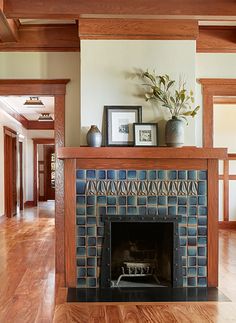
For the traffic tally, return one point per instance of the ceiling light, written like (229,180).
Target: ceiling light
(33,100)
(45,117)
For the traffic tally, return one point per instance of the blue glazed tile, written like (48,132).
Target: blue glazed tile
(122,210)
(182,231)
(202,241)
(142,174)
(192,251)
(182,210)
(81,272)
(80,262)
(80,210)
(152,210)
(80,220)
(81,230)
(131,174)
(185,282)
(172,174)
(192,210)
(152,174)
(162,211)
(80,242)
(161,174)
(202,220)
(201,251)
(92,282)
(202,261)
(202,175)
(192,261)
(192,231)
(192,241)
(91,231)
(91,262)
(202,188)
(202,210)
(91,241)
(92,251)
(192,271)
(142,210)
(111,210)
(80,187)
(80,174)
(142,200)
(101,199)
(202,200)
(184,261)
(132,200)
(192,200)
(111,200)
(182,174)
(182,200)
(183,251)
(201,271)
(91,173)
(131,210)
(81,282)
(122,200)
(122,174)
(152,200)
(80,199)
(192,282)
(202,231)
(91,200)
(183,241)
(162,200)
(81,251)
(172,200)
(192,175)
(172,210)
(100,231)
(102,210)
(192,220)
(111,174)
(202,281)
(91,272)
(90,210)
(91,220)
(182,219)
(101,174)
(100,241)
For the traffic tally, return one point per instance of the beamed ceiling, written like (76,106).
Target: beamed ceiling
(58,25)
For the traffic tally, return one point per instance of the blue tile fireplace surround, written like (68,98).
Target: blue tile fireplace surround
(122,201)
(157,193)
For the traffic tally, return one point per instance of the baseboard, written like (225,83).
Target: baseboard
(29,204)
(227,225)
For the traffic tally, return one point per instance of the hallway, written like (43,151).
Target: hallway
(27,270)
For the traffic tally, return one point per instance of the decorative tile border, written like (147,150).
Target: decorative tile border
(145,192)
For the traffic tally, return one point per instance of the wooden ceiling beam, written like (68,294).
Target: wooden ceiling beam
(40,125)
(137,29)
(8,28)
(63,9)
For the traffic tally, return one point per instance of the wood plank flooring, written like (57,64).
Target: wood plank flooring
(27,282)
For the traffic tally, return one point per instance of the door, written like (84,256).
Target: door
(49,167)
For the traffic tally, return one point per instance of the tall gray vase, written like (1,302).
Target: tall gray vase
(174,132)
(94,137)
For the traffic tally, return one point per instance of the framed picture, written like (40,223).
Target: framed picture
(145,134)
(119,124)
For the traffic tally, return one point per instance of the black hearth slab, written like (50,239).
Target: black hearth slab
(190,294)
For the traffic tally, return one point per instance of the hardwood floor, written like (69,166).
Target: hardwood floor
(27,281)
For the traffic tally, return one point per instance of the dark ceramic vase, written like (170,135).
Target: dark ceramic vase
(174,132)
(94,137)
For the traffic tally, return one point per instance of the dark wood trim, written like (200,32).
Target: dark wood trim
(226,191)
(137,29)
(8,28)
(70,220)
(29,204)
(9,131)
(224,100)
(232,156)
(40,125)
(212,231)
(21,189)
(227,225)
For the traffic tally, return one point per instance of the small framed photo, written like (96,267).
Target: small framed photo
(119,124)
(145,134)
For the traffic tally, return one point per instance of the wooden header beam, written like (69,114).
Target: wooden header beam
(8,28)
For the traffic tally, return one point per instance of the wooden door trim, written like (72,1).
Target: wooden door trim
(21,172)
(56,88)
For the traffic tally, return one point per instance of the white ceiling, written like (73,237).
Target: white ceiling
(16,103)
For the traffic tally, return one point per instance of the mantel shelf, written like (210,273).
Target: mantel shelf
(141,153)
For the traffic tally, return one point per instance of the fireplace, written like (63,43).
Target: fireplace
(141,252)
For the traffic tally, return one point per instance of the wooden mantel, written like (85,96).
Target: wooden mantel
(185,158)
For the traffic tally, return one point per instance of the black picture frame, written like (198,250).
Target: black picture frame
(145,134)
(119,124)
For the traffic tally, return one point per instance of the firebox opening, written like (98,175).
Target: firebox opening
(141,254)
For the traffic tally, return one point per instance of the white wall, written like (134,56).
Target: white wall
(49,65)
(106,76)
